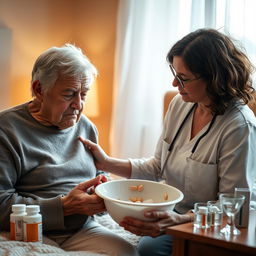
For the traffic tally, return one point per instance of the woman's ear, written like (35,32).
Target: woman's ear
(37,90)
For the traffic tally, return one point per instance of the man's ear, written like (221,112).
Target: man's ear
(37,90)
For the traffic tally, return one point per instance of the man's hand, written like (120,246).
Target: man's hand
(79,201)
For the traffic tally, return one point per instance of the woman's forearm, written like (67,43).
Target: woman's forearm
(120,167)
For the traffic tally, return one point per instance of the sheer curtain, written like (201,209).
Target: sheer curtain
(146,31)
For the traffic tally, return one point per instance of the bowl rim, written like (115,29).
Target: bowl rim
(181,195)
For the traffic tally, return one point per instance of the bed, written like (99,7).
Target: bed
(17,248)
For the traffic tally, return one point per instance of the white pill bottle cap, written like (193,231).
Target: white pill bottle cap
(32,209)
(18,207)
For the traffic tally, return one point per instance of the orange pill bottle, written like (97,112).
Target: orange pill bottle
(32,224)
(16,222)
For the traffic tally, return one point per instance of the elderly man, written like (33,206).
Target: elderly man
(42,161)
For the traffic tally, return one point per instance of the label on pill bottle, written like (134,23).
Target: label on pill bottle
(33,232)
(16,230)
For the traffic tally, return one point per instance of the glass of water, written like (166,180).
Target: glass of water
(231,205)
(215,213)
(201,219)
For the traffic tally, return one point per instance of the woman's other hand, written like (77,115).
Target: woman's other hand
(154,228)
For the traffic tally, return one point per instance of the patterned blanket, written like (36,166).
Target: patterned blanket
(16,248)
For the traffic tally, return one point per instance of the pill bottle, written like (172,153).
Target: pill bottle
(32,224)
(16,221)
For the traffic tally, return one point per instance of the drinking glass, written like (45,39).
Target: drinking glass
(215,213)
(253,196)
(231,205)
(201,215)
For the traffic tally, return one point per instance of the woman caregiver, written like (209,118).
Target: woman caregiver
(208,142)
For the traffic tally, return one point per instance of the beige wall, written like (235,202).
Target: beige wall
(36,25)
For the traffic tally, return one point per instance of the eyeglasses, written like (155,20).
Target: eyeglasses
(182,81)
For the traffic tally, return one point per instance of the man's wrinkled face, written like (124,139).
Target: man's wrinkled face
(62,104)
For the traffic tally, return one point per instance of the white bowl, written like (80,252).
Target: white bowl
(117,195)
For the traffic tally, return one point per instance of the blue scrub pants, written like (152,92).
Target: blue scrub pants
(157,246)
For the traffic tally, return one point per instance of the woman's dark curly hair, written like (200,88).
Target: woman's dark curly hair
(213,56)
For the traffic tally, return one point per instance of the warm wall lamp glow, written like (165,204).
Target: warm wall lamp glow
(91,107)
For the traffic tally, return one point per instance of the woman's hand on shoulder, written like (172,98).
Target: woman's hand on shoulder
(100,157)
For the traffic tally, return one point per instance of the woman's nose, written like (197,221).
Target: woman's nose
(175,82)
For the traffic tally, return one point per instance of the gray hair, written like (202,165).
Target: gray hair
(67,60)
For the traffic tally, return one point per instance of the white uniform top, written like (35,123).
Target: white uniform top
(225,158)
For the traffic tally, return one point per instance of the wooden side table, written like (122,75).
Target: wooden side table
(190,241)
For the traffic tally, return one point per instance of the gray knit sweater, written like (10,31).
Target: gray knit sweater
(38,164)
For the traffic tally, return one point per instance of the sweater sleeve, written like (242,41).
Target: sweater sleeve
(9,176)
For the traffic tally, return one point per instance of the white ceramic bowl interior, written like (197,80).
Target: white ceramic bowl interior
(117,195)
